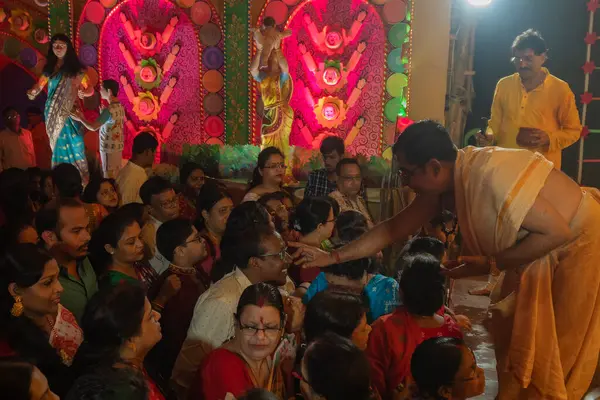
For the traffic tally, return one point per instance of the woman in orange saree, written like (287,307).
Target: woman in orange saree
(519,215)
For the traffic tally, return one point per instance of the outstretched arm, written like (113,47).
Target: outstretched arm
(395,229)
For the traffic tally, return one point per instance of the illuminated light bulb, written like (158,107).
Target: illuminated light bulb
(479,3)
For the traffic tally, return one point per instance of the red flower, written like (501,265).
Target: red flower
(591,38)
(585,131)
(586,98)
(589,67)
(592,5)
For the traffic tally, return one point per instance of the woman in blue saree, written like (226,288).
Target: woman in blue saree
(66,79)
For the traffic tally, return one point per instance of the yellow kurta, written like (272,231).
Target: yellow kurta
(550,107)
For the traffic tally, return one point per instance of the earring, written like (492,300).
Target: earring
(17,308)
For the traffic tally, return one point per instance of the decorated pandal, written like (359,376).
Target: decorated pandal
(186,73)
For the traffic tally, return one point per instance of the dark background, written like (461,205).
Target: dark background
(563,24)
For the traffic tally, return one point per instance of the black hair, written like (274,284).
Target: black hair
(423,141)
(247,225)
(34,111)
(426,245)
(111,85)
(265,198)
(354,270)
(112,316)
(152,187)
(67,180)
(336,369)
(336,312)
(530,39)
(261,294)
(142,142)
(186,170)
(435,363)
(15,378)
(312,212)
(90,194)
(422,285)
(171,235)
(24,266)
(10,231)
(109,232)
(331,144)
(263,157)
(7,110)
(350,225)
(48,219)
(136,210)
(269,21)
(34,172)
(71,65)
(45,176)
(210,194)
(15,194)
(345,161)
(258,394)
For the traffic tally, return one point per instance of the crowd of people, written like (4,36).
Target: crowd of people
(121,285)
(137,288)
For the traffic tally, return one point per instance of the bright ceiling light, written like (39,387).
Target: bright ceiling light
(479,3)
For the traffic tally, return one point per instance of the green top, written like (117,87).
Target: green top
(77,292)
(113,278)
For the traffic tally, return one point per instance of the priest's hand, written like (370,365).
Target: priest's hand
(308,256)
(469,266)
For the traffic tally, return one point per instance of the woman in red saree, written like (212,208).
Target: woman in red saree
(250,359)
(396,336)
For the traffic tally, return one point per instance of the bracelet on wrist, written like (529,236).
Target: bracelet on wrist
(336,256)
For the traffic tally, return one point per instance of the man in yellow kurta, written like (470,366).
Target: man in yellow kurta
(533,109)
(519,215)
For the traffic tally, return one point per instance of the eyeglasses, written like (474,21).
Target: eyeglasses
(352,178)
(276,166)
(197,239)
(13,116)
(519,60)
(406,174)
(283,254)
(253,330)
(169,203)
(280,208)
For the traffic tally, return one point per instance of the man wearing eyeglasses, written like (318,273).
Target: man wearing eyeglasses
(533,109)
(349,183)
(16,144)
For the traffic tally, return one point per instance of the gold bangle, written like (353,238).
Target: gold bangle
(493,266)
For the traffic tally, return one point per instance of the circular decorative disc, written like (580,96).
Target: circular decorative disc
(185,3)
(88,32)
(210,34)
(214,126)
(94,12)
(394,11)
(108,3)
(291,2)
(213,103)
(12,47)
(394,60)
(398,34)
(393,108)
(212,58)
(88,55)
(92,75)
(395,84)
(278,10)
(200,13)
(28,57)
(213,81)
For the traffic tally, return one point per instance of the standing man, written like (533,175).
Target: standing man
(16,145)
(533,109)
(349,182)
(133,175)
(323,181)
(41,143)
(110,122)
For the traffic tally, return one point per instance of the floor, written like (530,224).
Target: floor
(475,307)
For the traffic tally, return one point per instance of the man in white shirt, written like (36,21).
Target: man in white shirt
(133,175)
(159,196)
(261,256)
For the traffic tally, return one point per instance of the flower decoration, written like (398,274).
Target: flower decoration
(589,67)
(146,106)
(148,74)
(330,111)
(20,23)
